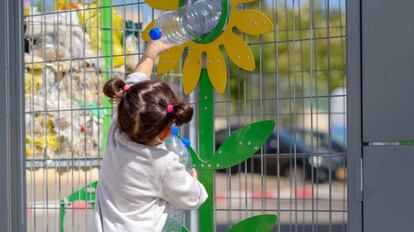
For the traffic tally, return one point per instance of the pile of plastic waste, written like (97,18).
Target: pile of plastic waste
(64,79)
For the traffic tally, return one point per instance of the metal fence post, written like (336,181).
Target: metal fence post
(12,160)
(354,153)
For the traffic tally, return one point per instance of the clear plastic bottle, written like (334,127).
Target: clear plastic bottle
(189,161)
(179,146)
(175,220)
(187,22)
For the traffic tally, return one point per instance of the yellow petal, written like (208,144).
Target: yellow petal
(216,68)
(238,51)
(235,2)
(192,69)
(252,22)
(169,59)
(163,4)
(145,33)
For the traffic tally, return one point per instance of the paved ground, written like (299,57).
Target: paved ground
(300,206)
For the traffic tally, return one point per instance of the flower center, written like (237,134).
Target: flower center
(220,25)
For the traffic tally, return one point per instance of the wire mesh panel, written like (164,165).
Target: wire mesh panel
(65,68)
(299,82)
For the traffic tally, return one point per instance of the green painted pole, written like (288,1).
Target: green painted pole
(108,65)
(206,144)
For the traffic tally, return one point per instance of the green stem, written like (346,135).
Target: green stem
(206,130)
(62,216)
(108,65)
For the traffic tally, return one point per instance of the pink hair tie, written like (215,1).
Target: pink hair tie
(126,88)
(170,108)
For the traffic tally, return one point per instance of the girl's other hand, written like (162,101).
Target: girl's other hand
(194,174)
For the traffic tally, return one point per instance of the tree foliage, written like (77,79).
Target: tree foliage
(307,47)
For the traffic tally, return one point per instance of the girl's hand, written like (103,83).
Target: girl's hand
(155,48)
(194,174)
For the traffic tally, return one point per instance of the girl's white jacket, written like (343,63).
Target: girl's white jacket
(138,182)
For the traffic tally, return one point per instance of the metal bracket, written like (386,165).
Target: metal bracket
(356,177)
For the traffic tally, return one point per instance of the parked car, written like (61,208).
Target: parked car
(287,154)
(335,143)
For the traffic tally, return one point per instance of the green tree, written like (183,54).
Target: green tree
(294,46)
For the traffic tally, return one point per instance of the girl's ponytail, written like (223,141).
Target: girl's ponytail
(146,108)
(114,89)
(182,113)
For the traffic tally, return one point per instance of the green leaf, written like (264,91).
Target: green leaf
(87,193)
(184,229)
(260,223)
(197,162)
(242,144)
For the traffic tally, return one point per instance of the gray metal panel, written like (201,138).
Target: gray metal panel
(388,189)
(388,71)
(3,161)
(354,149)
(12,171)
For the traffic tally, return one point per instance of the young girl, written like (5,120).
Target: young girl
(139,176)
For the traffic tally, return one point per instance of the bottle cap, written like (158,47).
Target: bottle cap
(186,142)
(174,130)
(155,33)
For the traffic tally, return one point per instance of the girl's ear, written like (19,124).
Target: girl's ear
(165,133)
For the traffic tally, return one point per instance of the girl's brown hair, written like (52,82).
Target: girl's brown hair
(142,111)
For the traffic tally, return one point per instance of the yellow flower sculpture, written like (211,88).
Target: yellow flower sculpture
(249,21)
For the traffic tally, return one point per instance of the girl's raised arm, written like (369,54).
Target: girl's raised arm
(147,61)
